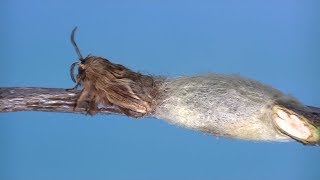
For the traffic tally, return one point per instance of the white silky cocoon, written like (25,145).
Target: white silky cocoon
(222,105)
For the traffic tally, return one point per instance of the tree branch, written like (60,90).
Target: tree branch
(13,99)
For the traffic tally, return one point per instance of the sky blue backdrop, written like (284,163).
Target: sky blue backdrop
(276,42)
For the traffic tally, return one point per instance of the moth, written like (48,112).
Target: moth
(108,84)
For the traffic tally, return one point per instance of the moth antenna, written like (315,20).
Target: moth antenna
(75,44)
(72,72)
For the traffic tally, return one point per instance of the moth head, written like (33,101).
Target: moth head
(81,59)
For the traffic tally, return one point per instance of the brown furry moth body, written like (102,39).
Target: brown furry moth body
(113,84)
(106,83)
(221,105)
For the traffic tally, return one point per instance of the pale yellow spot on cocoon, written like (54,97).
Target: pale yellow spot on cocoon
(292,124)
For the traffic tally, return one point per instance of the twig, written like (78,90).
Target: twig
(13,99)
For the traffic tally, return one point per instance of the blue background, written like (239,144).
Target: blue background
(275,42)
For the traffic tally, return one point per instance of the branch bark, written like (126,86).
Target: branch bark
(13,99)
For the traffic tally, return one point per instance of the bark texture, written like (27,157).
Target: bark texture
(13,99)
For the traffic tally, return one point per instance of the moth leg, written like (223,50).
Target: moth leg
(92,106)
(82,101)
(130,113)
